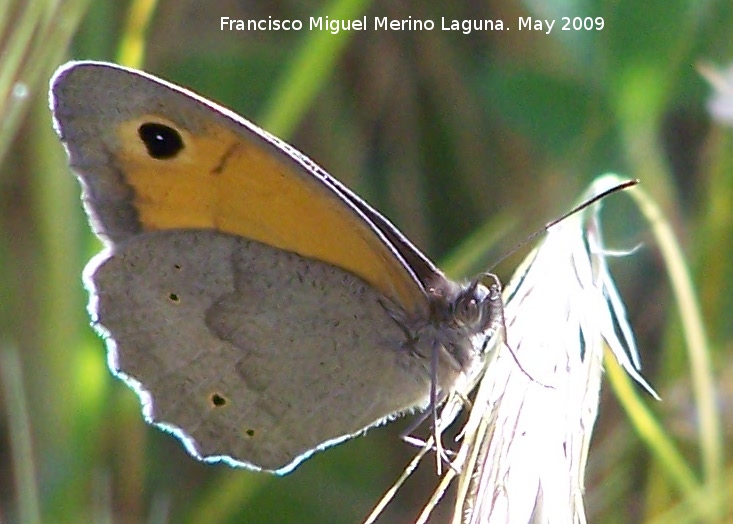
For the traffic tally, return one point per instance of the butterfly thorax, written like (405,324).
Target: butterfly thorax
(458,330)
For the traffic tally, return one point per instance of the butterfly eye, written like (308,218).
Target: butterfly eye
(467,311)
(161,141)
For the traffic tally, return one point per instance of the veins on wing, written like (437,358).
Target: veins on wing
(411,336)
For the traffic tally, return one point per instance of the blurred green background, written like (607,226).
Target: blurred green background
(468,142)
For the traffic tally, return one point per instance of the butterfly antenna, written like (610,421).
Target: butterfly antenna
(579,207)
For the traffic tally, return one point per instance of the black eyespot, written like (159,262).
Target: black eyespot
(173,297)
(250,432)
(161,141)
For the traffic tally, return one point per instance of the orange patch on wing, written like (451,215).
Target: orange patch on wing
(228,183)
